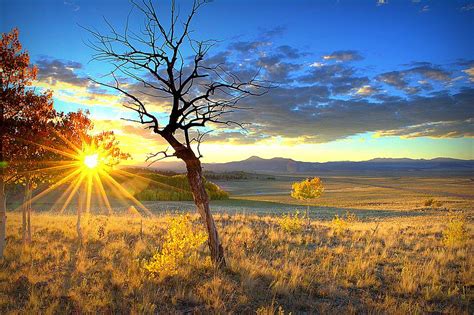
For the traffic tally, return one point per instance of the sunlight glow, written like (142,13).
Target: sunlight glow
(91,161)
(85,177)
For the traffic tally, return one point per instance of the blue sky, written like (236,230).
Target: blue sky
(372,80)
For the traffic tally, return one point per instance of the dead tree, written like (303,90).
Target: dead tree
(198,95)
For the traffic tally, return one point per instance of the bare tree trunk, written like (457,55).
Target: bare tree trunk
(29,214)
(24,209)
(26,213)
(80,206)
(3,211)
(201,199)
(3,199)
(78,226)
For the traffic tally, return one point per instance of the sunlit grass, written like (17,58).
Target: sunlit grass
(399,265)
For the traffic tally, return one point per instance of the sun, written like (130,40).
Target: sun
(88,170)
(91,161)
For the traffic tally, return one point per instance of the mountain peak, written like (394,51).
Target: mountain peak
(254,158)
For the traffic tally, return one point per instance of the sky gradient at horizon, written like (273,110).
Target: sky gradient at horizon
(355,79)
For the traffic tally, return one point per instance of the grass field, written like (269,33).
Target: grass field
(397,256)
(364,192)
(395,266)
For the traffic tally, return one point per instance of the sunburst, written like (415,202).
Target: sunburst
(86,170)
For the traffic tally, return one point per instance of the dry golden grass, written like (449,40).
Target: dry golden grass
(376,193)
(395,266)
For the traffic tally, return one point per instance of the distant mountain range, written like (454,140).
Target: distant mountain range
(256,164)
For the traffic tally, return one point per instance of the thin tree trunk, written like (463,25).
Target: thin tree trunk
(29,214)
(141,228)
(26,213)
(3,199)
(78,226)
(80,205)
(201,199)
(3,210)
(24,209)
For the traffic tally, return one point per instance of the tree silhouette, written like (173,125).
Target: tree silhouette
(22,109)
(198,95)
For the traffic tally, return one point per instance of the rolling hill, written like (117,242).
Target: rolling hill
(257,164)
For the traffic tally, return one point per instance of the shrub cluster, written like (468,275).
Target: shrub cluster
(432,203)
(291,223)
(455,233)
(181,243)
(341,224)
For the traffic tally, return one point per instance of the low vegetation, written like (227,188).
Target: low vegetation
(433,203)
(456,231)
(400,265)
(180,245)
(161,187)
(292,223)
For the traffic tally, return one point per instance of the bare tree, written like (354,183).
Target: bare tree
(199,95)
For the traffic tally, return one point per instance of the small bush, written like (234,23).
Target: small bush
(341,224)
(291,223)
(433,203)
(351,217)
(182,241)
(455,233)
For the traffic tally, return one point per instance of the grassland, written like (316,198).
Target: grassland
(365,192)
(396,266)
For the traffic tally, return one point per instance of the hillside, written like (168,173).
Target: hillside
(282,165)
(256,164)
(147,186)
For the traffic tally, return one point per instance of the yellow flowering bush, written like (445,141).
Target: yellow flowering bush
(310,188)
(291,223)
(455,233)
(339,225)
(182,241)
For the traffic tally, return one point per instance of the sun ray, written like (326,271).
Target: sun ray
(51,168)
(46,169)
(162,185)
(116,193)
(65,193)
(73,146)
(90,171)
(66,154)
(99,197)
(89,193)
(73,192)
(103,194)
(126,193)
(53,187)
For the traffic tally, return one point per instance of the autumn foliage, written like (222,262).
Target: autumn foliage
(310,188)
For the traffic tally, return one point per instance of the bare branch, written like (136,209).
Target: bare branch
(199,94)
